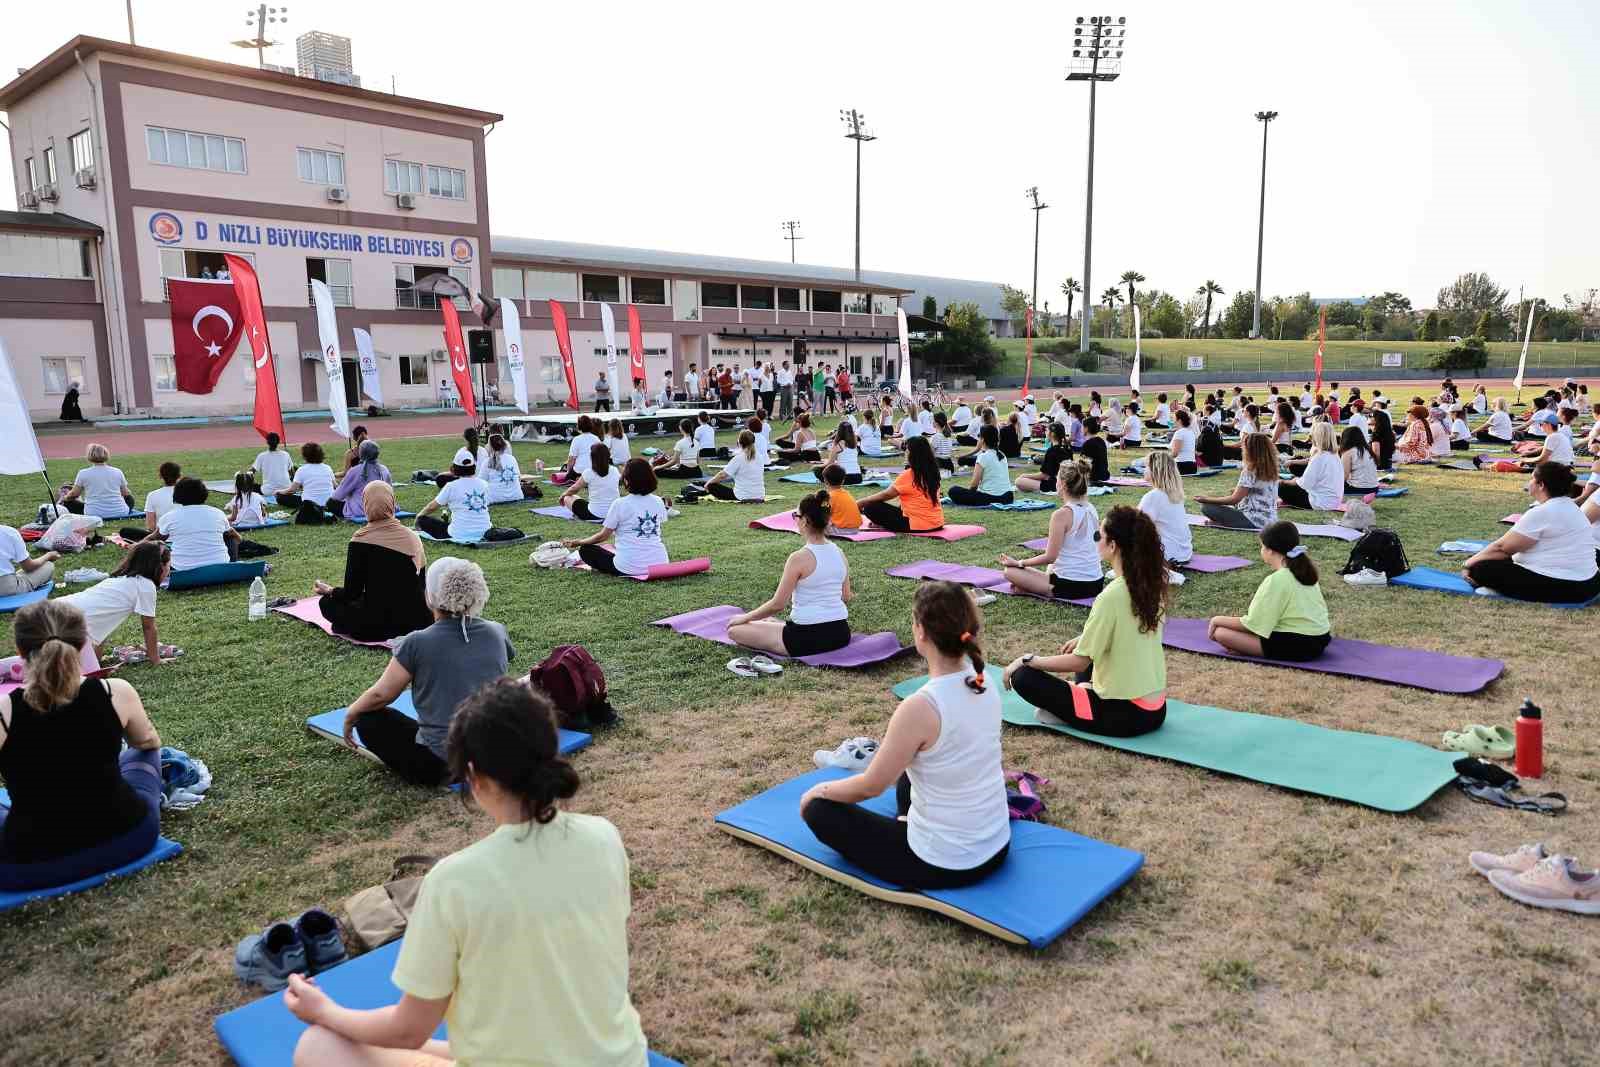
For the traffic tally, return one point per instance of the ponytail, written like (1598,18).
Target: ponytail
(951,622)
(49,635)
(816,509)
(1283,538)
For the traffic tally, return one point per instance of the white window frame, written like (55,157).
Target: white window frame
(391,177)
(343,292)
(50,175)
(66,372)
(164,369)
(30,174)
(447,183)
(81,144)
(207,145)
(406,365)
(305,165)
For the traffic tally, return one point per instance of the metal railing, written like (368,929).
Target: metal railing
(412,300)
(344,296)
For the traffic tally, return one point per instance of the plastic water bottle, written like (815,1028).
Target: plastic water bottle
(258,599)
(1530,740)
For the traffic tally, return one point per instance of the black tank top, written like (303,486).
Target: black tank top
(67,790)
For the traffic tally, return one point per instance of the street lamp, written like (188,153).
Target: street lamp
(1097,45)
(855,125)
(792,225)
(1265,118)
(257,20)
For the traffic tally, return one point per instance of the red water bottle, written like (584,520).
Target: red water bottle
(1530,740)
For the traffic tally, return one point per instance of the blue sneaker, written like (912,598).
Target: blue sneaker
(268,959)
(319,932)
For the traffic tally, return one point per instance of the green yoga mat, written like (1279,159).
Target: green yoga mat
(1385,773)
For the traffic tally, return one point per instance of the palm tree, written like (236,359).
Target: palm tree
(1112,297)
(1130,278)
(1069,289)
(1208,290)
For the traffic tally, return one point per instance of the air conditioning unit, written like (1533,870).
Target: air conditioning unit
(439,355)
(85,178)
(408,201)
(338,194)
(28,201)
(49,193)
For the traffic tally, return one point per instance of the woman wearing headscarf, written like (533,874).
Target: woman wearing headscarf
(352,488)
(382,596)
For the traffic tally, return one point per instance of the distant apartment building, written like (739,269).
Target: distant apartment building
(325,57)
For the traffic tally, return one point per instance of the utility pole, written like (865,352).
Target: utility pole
(1265,118)
(794,224)
(1096,57)
(855,124)
(130,23)
(1032,193)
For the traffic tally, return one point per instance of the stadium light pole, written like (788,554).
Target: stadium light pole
(792,226)
(1032,193)
(1097,47)
(855,124)
(258,20)
(1265,118)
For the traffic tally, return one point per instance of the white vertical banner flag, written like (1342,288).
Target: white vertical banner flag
(608,322)
(367,358)
(1133,377)
(332,358)
(19,447)
(512,324)
(905,354)
(1522,361)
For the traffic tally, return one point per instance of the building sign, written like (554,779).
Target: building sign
(1195,362)
(167,229)
(461,250)
(1393,359)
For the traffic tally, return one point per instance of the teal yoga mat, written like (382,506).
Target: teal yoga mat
(1385,773)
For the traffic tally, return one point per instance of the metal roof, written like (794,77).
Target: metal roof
(49,222)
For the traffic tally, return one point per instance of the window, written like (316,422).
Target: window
(882,304)
(60,371)
(719,295)
(789,300)
(856,303)
(414,370)
(195,263)
(855,366)
(406,275)
(50,166)
(320,166)
(164,373)
(551,285)
(337,274)
(649,290)
(197,151)
(31,173)
(606,287)
(447,182)
(401,177)
(82,146)
(825,300)
(686,301)
(551,371)
(25,255)
(757,297)
(508,283)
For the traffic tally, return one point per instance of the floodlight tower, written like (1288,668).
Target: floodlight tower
(1097,45)
(1265,118)
(257,20)
(792,226)
(855,125)
(1032,193)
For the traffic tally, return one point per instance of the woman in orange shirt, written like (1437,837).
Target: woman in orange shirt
(918,490)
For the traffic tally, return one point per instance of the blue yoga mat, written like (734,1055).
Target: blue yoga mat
(263,1033)
(810,478)
(262,525)
(217,574)
(1050,879)
(22,600)
(164,850)
(1015,505)
(399,515)
(330,724)
(1448,582)
(474,544)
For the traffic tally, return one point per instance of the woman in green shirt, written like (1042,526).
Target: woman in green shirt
(1288,619)
(1118,668)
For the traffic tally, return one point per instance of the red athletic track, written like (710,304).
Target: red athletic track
(70,444)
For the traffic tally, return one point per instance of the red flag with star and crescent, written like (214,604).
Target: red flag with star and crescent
(459,368)
(206,327)
(268,417)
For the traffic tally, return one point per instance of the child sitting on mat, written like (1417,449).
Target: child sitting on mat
(1288,619)
(1075,572)
(469,944)
(816,579)
(844,514)
(941,752)
(131,590)
(1117,666)
(248,507)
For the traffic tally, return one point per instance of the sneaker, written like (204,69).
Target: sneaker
(1175,576)
(982,597)
(765,665)
(319,932)
(268,959)
(1555,882)
(740,665)
(853,755)
(1367,576)
(1518,862)
(1484,590)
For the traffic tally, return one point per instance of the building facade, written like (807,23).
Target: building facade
(326,57)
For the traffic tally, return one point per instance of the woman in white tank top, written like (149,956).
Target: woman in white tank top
(817,580)
(941,753)
(1075,572)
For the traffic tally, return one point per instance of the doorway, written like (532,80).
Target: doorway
(352,383)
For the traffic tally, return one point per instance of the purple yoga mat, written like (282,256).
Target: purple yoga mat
(1199,562)
(306,610)
(982,577)
(1307,529)
(785,522)
(1415,667)
(862,651)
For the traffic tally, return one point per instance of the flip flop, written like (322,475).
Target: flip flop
(765,665)
(741,666)
(1492,742)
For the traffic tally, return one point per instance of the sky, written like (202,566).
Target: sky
(1416,140)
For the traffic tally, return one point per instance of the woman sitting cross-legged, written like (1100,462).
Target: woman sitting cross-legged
(99,489)
(635,520)
(1416,446)
(1117,668)
(1253,504)
(1164,504)
(20,570)
(543,894)
(941,751)
(1498,430)
(1549,555)
(443,664)
(991,477)
(346,499)
(917,488)
(1288,619)
(312,485)
(1056,452)
(197,533)
(843,452)
(383,595)
(1075,572)
(602,481)
(466,497)
(817,580)
(801,444)
(1320,486)
(683,459)
(744,478)
(81,804)
(1357,463)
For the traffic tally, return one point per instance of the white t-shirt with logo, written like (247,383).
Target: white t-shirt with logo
(273,466)
(102,487)
(106,604)
(1565,545)
(505,484)
(637,521)
(468,501)
(194,533)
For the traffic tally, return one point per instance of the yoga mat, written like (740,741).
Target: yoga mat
(1015,505)
(1307,529)
(1200,563)
(1385,773)
(948,532)
(330,725)
(261,525)
(163,850)
(306,610)
(1415,667)
(862,651)
(1447,582)
(663,571)
(1050,879)
(22,600)
(221,485)
(1512,519)
(217,574)
(785,522)
(476,544)
(263,1033)
(1465,548)
(399,515)
(810,478)
(556,511)
(982,577)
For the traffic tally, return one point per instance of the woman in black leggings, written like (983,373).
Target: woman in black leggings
(918,489)
(1549,556)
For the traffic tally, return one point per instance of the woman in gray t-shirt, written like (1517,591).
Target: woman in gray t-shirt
(442,665)
(1253,504)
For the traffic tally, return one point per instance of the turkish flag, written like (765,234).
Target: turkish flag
(268,417)
(564,342)
(457,348)
(206,327)
(635,344)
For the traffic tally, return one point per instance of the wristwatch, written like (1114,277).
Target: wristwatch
(1027,658)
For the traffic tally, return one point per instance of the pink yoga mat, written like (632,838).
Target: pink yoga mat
(785,522)
(306,610)
(663,571)
(12,672)
(1512,519)
(1199,562)
(985,578)
(862,651)
(951,532)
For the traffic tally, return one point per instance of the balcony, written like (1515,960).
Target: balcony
(411,300)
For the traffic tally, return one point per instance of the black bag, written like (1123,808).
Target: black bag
(503,533)
(309,514)
(1378,550)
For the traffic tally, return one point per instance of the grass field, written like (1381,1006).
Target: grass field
(1265,927)
(1290,358)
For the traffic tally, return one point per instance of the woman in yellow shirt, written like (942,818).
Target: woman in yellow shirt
(1288,619)
(1118,667)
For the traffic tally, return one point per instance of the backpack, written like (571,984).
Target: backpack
(574,682)
(1378,550)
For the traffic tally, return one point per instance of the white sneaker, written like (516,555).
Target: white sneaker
(1175,576)
(853,755)
(982,597)
(1367,576)
(1484,590)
